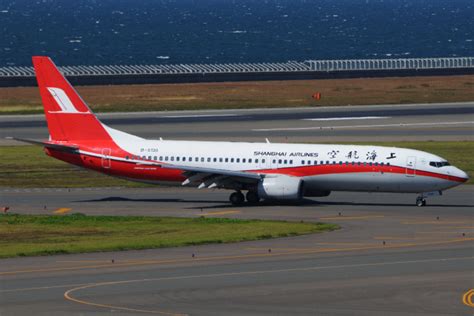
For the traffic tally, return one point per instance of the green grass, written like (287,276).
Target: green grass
(29,167)
(34,235)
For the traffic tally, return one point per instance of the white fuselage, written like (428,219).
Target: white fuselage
(322,167)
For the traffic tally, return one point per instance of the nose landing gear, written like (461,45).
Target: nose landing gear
(420,201)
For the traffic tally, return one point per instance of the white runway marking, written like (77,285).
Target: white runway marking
(350,118)
(358,126)
(199,115)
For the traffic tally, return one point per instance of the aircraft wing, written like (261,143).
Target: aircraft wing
(212,178)
(61,147)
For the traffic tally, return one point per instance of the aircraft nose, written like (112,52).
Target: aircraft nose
(461,174)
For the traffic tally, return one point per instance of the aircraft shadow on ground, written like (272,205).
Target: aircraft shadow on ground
(219,204)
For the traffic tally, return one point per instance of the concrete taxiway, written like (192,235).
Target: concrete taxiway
(346,123)
(389,258)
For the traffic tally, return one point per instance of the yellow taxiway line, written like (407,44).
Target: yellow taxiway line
(238,257)
(351,217)
(219,213)
(62,210)
(68,293)
(467,298)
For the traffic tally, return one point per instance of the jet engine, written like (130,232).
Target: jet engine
(280,187)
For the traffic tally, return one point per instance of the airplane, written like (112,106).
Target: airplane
(266,171)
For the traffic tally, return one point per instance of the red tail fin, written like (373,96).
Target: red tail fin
(68,116)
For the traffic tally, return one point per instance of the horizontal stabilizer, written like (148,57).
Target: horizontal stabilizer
(61,147)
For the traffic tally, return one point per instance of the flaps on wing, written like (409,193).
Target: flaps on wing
(61,147)
(213,178)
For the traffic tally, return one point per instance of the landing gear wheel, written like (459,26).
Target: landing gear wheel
(237,198)
(420,201)
(252,197)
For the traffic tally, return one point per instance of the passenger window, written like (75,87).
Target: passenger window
(340,163)
(237,160)
(231,159)
(126,157)
(177,158)
(154,158)
(291,162)
(166,158)
(184,158)
(208,159)
(215,159)
(256,160)
(285,161)
(243,160)
(220,159)
(227,160)
(196,159)
(250,160)
(202,159)
(190,159)
(302,162)
(274,161)
(172,158)
(279,161)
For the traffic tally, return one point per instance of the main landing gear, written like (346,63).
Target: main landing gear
(237,198)
(252,197)
(420,201)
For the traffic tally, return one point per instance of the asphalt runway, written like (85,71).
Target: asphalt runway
(389,258)
(346,123)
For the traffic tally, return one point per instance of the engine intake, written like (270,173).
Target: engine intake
(280,187)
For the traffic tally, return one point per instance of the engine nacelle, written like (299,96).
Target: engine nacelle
(308,191)
(280,187)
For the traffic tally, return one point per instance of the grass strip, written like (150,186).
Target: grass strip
(35,235)
(29,167)
(254,94)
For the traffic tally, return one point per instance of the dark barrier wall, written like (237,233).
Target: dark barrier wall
(222,77)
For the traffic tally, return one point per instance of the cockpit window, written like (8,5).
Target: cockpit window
(439,164)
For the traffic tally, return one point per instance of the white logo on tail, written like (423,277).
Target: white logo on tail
(63,101)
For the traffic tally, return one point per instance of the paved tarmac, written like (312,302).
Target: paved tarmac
(389,258)
(448,121)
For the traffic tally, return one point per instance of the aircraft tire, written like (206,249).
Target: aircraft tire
(237,198)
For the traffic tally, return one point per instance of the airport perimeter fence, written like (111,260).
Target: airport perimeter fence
(110,74)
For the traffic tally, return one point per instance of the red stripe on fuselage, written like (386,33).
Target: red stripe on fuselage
(314,170)
(137,171)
